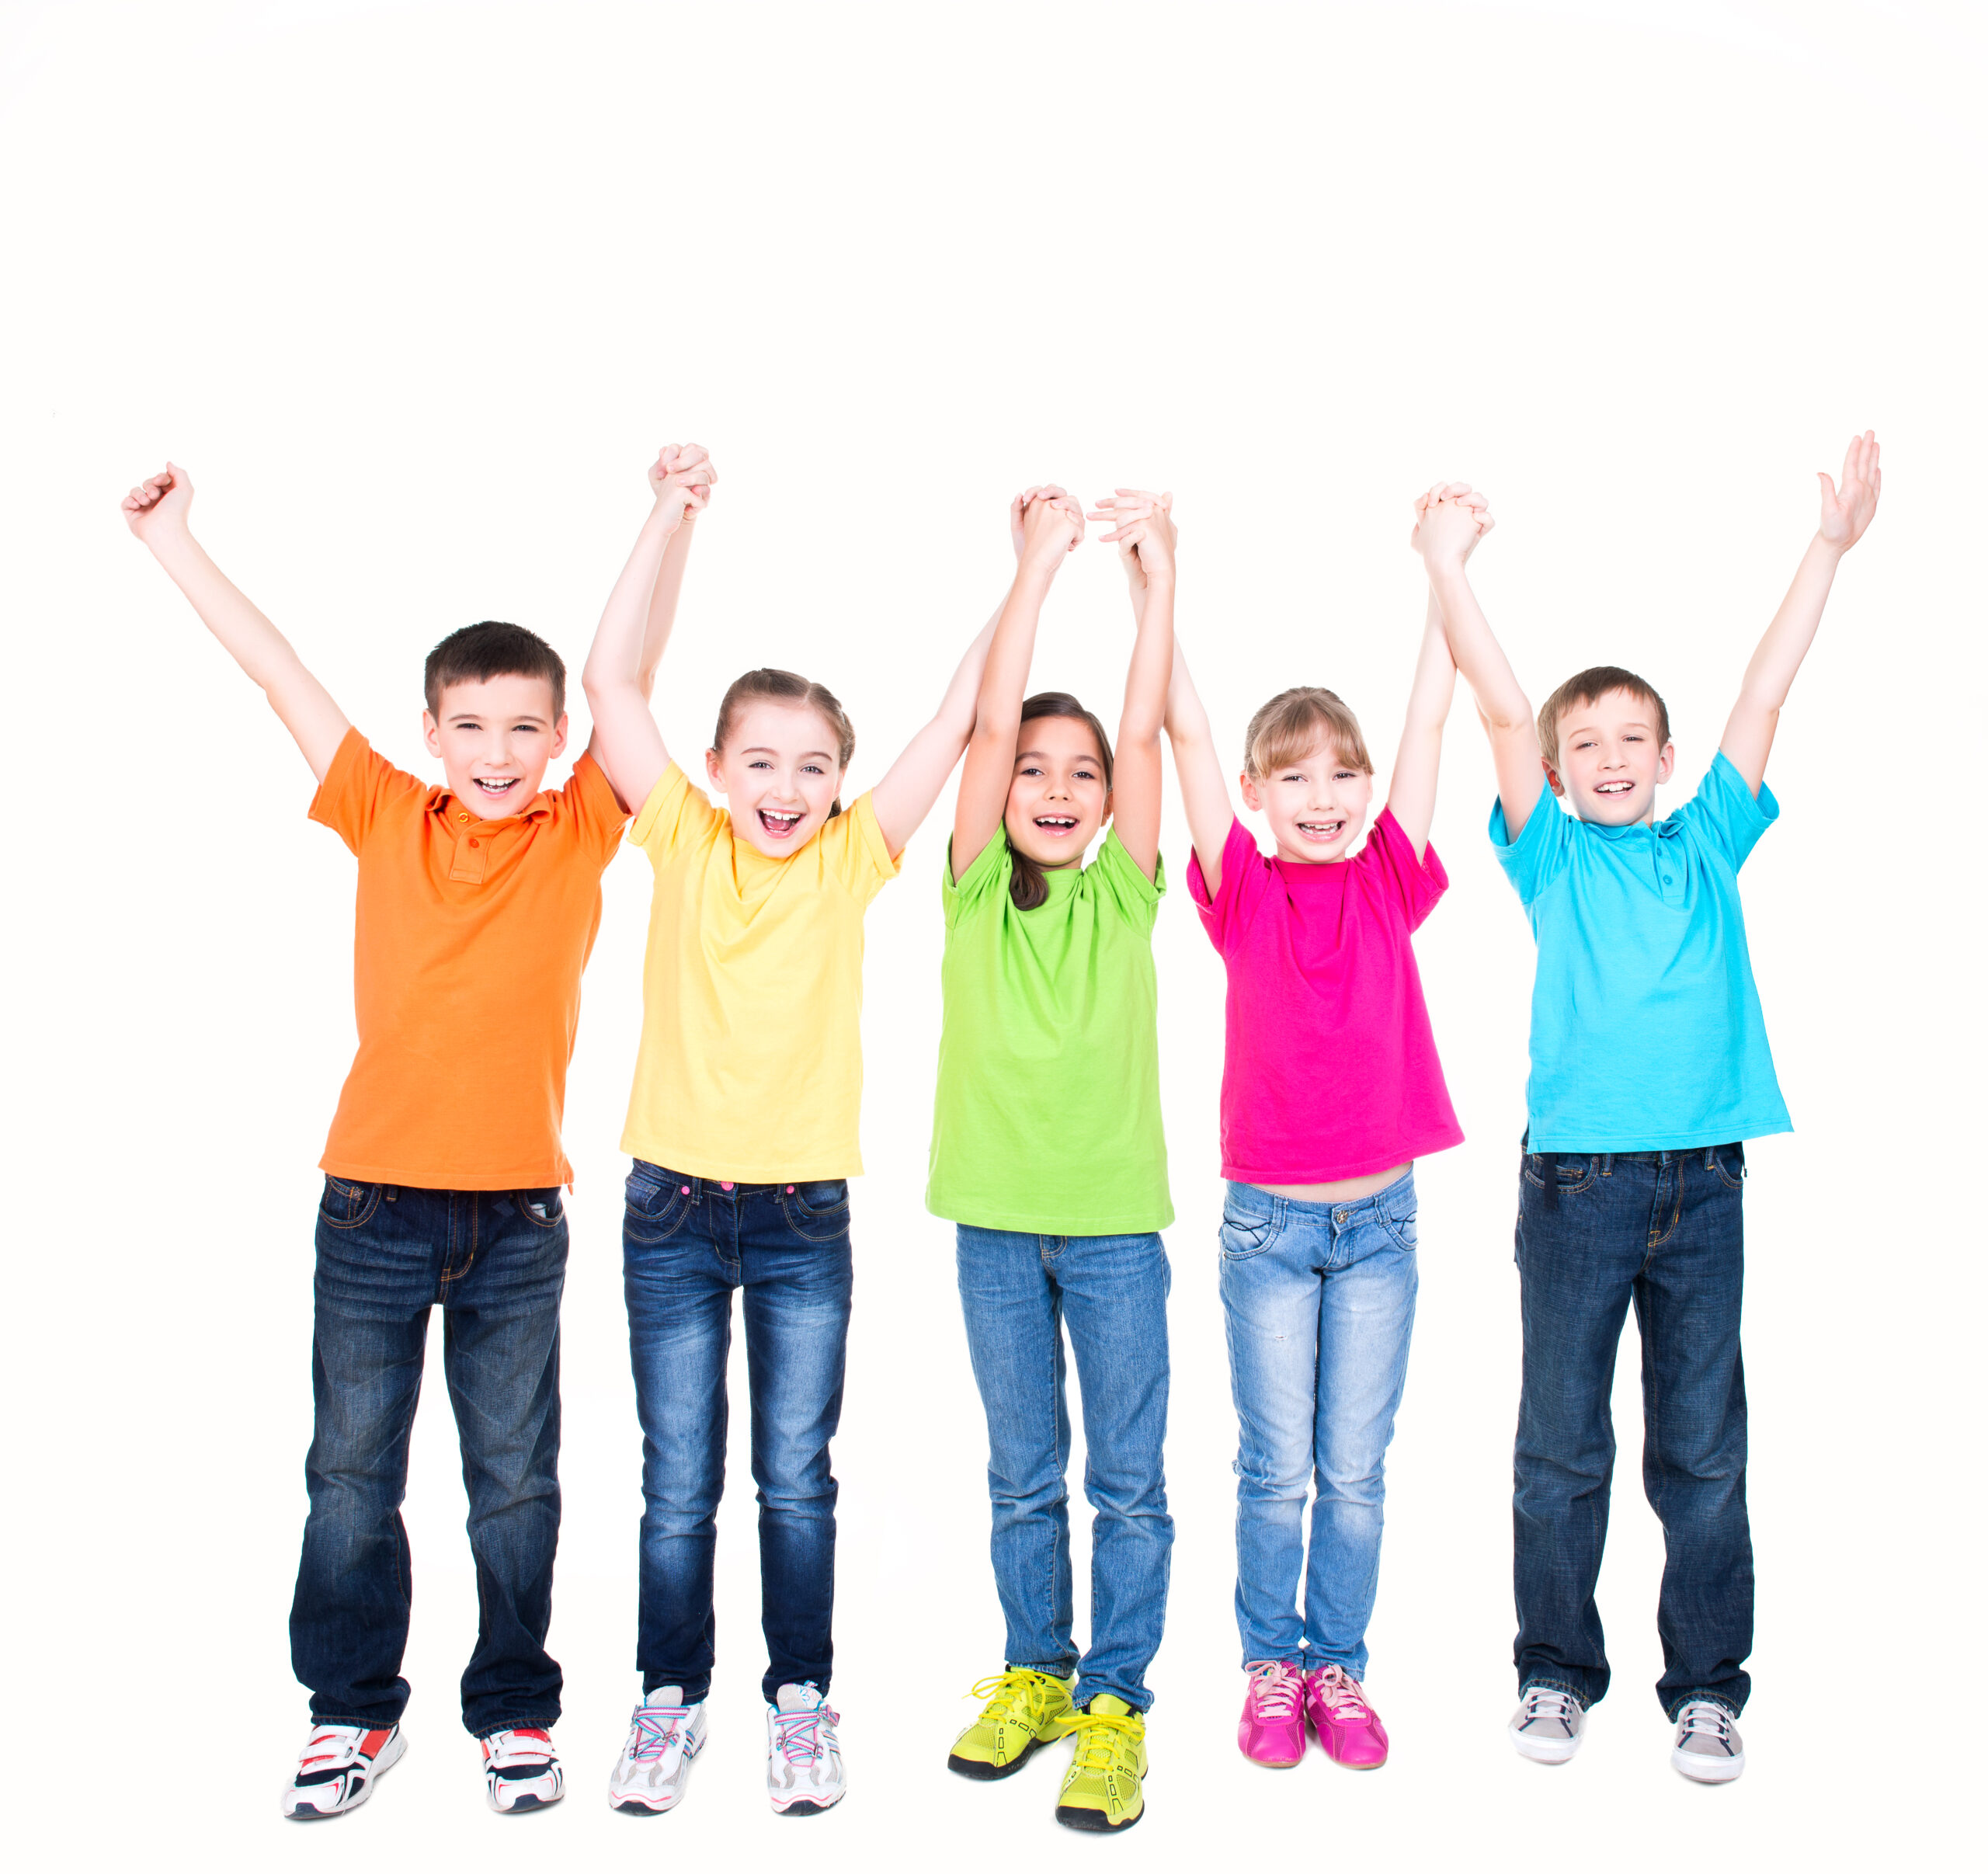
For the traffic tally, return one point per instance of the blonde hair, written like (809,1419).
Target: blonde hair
(1293,723)
(1590,687)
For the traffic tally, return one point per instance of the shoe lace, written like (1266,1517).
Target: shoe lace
(334,1744)
(1277,1688)
(1702,1718)
(1545,1702)
(1339,1692)
(1005,1691)
(799,1735)
(1099,1735)
(657,1727)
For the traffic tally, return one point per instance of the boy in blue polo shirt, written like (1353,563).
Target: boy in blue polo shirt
(1649,1067)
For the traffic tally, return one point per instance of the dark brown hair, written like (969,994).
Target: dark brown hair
(1590,687)
(771,686)
(1026,886)
(478,653)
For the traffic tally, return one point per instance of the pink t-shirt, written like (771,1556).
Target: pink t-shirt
(1330,1071)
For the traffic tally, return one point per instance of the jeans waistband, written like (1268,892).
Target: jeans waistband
(1703,1155)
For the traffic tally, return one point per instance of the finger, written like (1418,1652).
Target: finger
(1829,490)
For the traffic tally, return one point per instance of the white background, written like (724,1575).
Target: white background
(415,291)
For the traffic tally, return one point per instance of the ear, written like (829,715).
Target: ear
(1666,762)
(431,733)
(1252,795)
(1553,780)
(558,738)
(711,768)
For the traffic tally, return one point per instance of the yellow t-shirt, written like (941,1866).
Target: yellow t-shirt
(751,1065)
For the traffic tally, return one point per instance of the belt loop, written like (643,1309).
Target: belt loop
(1608,1164)
(1709,1151)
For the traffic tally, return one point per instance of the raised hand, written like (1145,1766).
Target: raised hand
(1041,490)
(1450,519)
(159,502)
(1846,511)
(1051,525)
(1142,529)
(682,478)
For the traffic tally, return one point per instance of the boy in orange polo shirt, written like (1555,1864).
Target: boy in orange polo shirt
(477,905)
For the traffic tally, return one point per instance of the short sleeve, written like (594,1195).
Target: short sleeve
(597,815)
(1243,874)
(674,814)
(357,786)
(1725,812)
(1389,857)
(1539,854)
(855,852)
(1117,876)
(987,876)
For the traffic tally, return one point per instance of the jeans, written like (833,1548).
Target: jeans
(1320,1301)
(1595,1232)
(687,1243)
(495,1262)
(1018,1291)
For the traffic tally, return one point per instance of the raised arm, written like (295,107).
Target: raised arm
(1144,523)
(1846,513)
(1052,525)
(156,511)
(1412,787)
(634,630)
(904,797)
(1446,531)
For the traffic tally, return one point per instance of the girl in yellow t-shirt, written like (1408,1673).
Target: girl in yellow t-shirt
(742,1125)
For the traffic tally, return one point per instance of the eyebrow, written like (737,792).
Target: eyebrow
(1089,761)
(805,754)
(477,715)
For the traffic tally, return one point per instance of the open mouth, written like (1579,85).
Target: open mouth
(1324,832)
(1613,788)
(1058,825)
(780,825)
(496,786)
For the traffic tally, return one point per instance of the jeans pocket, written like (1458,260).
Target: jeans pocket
(656,1204)
(817,1212)
(1569,1180)
(1401,1230)
(1245,1232)
(346,1205)
(545,1208)
(1730,1162)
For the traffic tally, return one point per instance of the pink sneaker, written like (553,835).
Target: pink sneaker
(1272,1732)
(1348,1729)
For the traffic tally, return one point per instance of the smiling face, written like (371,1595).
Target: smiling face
(1057,799)
(1316,806)
(778,773)
(1613,758)
(495,738)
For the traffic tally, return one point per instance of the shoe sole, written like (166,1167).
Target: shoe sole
(381,1765)
(982,1772)
(525,1804)
(1536,1751)
(1093,1822)
(1714,1770)
(807,1806)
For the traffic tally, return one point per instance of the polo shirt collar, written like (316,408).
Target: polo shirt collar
(443,803)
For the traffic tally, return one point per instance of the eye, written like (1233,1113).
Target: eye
(1084,775)
(812,767)
(1031,773)
(1344,774)
(761,763)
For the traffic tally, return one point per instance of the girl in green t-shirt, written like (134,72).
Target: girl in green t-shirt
(1048,1153)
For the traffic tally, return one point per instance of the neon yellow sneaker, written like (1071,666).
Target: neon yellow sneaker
(1101,1788)
(1025,1710)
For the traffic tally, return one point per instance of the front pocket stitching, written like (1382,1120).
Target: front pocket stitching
(364,1217)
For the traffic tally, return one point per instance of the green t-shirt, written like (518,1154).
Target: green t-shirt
(1048,1114)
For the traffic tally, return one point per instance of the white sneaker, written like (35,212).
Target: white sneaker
(521,1771)
(337,1767)
(1708,1750)
(1547,1725)
(664,1738)
(804,1758)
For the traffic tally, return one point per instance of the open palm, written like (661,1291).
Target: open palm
(1847,510)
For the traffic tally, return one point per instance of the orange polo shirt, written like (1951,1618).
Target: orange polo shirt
(467,948)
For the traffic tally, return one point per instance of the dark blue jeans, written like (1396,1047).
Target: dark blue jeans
(686,1243)
(1596,1233)
(495,1262)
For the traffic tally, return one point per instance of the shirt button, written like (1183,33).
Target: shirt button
(460,816)
(474,843)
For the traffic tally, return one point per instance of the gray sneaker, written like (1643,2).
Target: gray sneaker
(664,1738)
(1547,1725)
(1708,1750)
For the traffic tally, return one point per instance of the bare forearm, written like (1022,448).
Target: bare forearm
(662,605)
(1412,787)
(616,658)
(1778,657)
(1197,768)
(1477,652)
(1150,675)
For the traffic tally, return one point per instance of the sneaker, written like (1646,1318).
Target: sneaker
(1547,1725)
(1272,1730)
(1350,1730)
(1101,1789)
(521,1771)
(664,1738)
(1708,1750)
(1025,1710)
(804,1758)
(337,1767)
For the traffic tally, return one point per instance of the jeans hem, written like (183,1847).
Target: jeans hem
(1676,1702)
(1063,1674)
(364,1724)
(1140,1701)
(1579,1697)
(521,1724)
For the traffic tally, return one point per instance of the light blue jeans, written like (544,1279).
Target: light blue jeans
(1320,1301)
(1020,1291)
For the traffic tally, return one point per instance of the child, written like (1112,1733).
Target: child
(1330,1091)
(478,900)
(1047,1152)
(742,1125)
(1650,1069)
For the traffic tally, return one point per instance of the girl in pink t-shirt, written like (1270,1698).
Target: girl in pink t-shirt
(1330,1091)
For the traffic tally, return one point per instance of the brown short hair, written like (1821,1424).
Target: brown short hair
(1293,723)
(478,653)
(1590,687)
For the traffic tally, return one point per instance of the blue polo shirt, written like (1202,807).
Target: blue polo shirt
(1646,1028)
